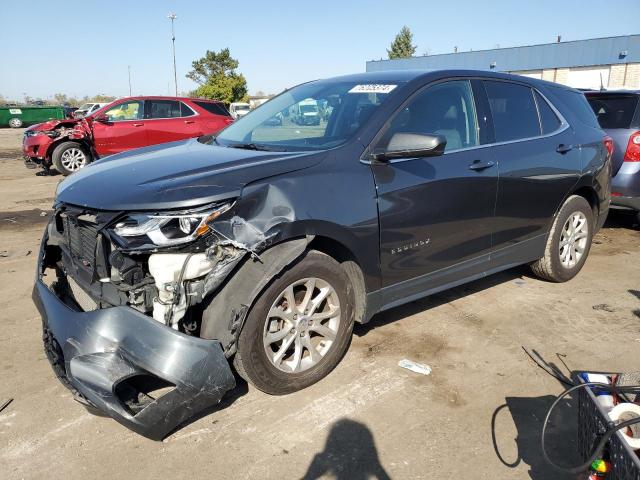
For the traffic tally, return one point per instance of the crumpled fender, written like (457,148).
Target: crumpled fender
(225,315)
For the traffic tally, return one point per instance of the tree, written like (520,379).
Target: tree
(402,46)
(217,76)
(102,98)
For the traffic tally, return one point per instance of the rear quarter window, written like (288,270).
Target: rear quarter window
(577,105)
(215,108)
(614,111)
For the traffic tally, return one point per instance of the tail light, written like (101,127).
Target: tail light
(633,148)
(608,144)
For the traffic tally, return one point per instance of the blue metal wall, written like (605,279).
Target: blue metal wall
(597,51)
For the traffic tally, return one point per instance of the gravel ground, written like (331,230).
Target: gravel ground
(478,415)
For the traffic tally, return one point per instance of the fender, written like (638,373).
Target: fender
(227,310)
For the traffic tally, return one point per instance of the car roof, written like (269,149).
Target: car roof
(405,76)
(160,97)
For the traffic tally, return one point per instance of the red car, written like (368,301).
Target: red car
(125,124)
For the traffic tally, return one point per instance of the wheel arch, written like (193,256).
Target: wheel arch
(81,141)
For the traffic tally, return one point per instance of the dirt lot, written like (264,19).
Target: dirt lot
(478,415)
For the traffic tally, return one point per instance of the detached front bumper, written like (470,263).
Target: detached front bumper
(112,357)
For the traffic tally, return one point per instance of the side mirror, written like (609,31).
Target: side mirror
(411,145)
(102,118)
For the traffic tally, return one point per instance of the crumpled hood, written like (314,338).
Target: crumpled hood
(174,175)
(52,124)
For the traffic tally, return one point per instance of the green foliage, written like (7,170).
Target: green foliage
(217,76)
(402,46)
(102,99)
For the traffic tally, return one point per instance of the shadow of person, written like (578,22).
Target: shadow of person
(349,453)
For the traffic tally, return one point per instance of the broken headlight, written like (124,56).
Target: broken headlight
(169,228)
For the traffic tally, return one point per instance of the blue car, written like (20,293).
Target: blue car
(619,116)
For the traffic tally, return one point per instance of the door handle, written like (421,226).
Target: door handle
(562,148)
(138,124)
(479,165)
(189,122)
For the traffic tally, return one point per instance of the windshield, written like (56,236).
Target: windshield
(85,106)
(284,123)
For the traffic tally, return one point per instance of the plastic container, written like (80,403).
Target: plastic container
(592,423)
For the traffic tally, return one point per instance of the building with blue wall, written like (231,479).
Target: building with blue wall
(612,62)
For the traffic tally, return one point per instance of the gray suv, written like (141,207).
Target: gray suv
(619,116)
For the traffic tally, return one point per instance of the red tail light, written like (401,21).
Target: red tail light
(633,148)
(608,144)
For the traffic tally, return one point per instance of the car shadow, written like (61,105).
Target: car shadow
(349,454)
(528,415)
(441,298)
(622,219)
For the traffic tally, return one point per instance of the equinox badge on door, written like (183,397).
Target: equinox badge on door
(410,246)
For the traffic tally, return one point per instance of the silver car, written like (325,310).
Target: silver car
(619,115)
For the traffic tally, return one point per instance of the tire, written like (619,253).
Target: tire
(255,359)
(15,122)
(69,157)
(562,263)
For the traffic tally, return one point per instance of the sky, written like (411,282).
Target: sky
(84,47)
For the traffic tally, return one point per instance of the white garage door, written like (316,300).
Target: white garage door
(589,77)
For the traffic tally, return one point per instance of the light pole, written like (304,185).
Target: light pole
(172,17)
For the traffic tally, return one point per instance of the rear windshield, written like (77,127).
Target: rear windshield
(614,111)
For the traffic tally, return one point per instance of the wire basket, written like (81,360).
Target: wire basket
(592,423)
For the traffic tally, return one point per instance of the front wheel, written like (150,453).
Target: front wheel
(299,328)
(69,157)
(568,243)
(15,123)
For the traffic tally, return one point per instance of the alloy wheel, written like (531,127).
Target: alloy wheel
(302,325)
(73,159)
(573,239)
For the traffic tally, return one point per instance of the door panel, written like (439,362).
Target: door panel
(537,160)
(534,180)
(435,212)
(123,130)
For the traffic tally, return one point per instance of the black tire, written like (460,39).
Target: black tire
(550,267)
(15,122)
(251,360)
(60,150)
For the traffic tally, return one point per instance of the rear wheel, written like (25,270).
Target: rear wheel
(299,328)
(569,242)
(69,157)
(15,123)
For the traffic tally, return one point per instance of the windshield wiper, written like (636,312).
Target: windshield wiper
(252,146)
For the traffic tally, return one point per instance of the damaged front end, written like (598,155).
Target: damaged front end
(40,140)
(121,298)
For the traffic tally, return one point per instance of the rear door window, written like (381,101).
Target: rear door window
(614,111)
(163,109)
(548,118)
(513,109)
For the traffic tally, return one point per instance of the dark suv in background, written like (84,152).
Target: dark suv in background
(619,115)
(263,245)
